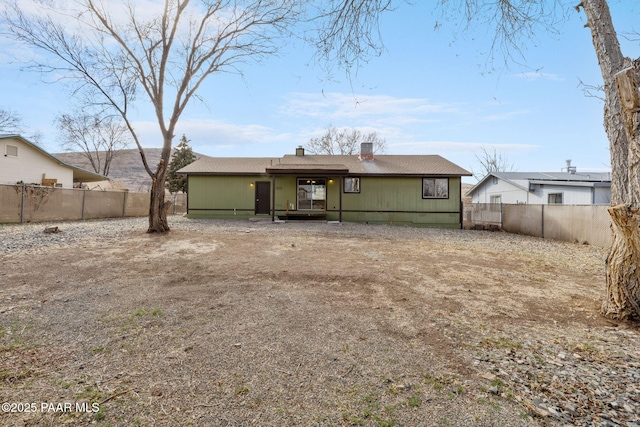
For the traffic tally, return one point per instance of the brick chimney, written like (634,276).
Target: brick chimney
(366,151)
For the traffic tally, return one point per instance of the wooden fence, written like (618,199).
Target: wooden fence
(33,203)
(588,224)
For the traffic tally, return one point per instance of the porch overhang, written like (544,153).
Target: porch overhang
(306,170)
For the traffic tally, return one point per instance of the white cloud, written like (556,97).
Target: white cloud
(537,75)
(211,135)
(455,146)
(504,116)
(341,107)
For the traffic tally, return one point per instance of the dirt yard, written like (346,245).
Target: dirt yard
(241,323)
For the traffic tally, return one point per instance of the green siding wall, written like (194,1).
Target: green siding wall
(399,200)
(395,200)
(222,196)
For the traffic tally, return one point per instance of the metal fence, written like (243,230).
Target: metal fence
(33,203)
(589,224)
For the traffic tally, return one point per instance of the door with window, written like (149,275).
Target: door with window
(312,194)
(263,197)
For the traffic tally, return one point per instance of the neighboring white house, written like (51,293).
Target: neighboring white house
(21,161)
(568,188)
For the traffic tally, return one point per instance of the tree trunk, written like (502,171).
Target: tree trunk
(621,118)
(157,206)
(157,209)
(623,262)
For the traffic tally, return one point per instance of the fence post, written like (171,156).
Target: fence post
(124,204)
(542,220)
(84,196)
(175,197)
(22,204)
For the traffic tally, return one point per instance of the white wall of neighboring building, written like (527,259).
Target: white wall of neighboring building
(602,196)
(30,165)
(571,195)
(509,194)
(539,194)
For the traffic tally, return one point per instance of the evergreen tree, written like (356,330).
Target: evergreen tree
(181,157)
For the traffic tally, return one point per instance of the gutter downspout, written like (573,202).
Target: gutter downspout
(187,207)
(461,204)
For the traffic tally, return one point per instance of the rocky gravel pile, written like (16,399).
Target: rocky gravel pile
(595,382)
(33,238)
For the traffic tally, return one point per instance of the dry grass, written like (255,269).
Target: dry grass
(263,324)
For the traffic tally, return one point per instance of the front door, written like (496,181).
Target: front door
(263,197)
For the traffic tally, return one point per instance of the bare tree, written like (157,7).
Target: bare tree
(10,122)
(118,51)
(344,141)
(343,41)
(99,139)
(492,162)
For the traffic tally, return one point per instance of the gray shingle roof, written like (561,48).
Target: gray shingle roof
(593,179)
(381,165)
(554,176)
(229,165)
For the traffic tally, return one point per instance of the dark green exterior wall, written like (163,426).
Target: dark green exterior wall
(399,200)
(396,200)
(222,196)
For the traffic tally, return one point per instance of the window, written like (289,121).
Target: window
(11,150)
(495,200)
(435,188)
(352,185)
(555,198)
(312,193)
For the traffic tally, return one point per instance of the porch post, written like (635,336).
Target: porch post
(341,186)
(273,198)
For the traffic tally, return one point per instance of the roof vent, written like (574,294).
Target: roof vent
(300,151)
(570,169)
(366,151)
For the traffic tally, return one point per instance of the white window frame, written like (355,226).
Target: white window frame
(10,154)
(555,195)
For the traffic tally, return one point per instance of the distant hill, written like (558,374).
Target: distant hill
(127,170)
(466,187)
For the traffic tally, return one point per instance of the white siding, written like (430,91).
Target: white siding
(539,194)
(509,194)
(570,195)
(30,165)
(602,196)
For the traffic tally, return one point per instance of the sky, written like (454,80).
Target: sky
(433,90)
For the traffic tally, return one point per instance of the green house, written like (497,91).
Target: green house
(398,189)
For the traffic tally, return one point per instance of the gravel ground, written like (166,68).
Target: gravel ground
(346,324)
